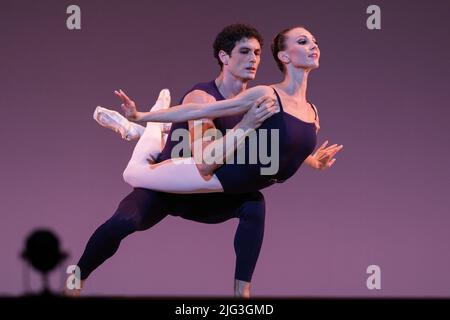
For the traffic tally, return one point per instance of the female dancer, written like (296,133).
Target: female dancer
(296,53)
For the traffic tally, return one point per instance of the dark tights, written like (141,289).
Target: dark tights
(143,208)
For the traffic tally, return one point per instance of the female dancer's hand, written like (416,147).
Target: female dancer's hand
(323,158)
(128,105)
(262,109)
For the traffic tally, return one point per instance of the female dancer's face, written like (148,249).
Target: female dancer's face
(302,49)
(244,59)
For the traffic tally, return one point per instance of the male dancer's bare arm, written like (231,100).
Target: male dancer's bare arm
(197,128)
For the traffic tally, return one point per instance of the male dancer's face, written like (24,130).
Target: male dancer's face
(244,59)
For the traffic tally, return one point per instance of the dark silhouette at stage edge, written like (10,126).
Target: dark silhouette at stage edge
(42,252)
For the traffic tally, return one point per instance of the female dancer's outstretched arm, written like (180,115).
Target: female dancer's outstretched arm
(193,111)
(181,175)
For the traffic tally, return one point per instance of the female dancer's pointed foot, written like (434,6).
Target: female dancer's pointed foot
(115,121)
(163,101)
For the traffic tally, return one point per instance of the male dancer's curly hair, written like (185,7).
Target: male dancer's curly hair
(226,40)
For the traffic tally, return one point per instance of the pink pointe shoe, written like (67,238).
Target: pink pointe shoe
(115,121)
(163,102)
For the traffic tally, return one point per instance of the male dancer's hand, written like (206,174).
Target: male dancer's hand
(128,106)
(323,158)
(262,109)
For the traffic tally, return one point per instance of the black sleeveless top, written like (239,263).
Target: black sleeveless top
(296,140)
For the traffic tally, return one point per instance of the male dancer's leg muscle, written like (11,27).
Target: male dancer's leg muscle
(139,211)
(249,208)
(143,208)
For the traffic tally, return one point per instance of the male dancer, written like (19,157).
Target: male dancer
(237,49)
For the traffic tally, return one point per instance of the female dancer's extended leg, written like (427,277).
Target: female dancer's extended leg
(130,131)
(178,175)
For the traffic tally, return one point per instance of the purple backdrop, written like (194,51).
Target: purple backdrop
(383,94)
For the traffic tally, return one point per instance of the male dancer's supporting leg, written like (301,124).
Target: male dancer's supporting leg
(249,208)
(139,211)
(144,208)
